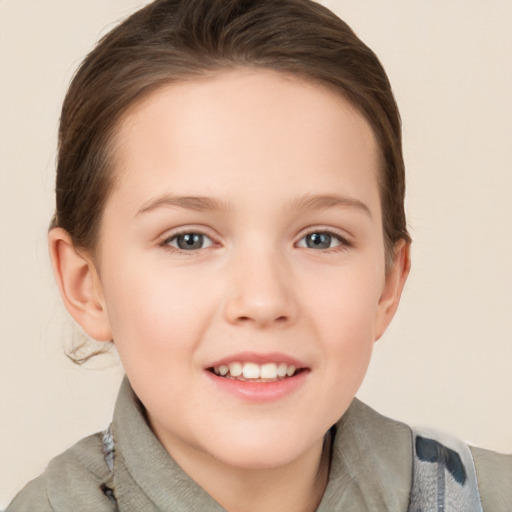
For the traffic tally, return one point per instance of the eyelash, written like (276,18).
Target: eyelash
(343,245)
(166,242)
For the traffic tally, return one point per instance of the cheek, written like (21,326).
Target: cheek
(155,312)
(344,312)
(345,300)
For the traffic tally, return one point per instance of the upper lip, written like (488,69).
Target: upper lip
(258,358)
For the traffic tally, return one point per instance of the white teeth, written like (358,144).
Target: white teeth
(253,371)
(281,369)
(268,371)
(235,369)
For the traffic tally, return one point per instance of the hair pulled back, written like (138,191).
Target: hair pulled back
(172,40)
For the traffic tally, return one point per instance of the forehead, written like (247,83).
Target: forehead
(248,132)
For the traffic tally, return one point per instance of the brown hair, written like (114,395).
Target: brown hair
(173,40)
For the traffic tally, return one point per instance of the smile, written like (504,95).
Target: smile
(253,372)
(258,378)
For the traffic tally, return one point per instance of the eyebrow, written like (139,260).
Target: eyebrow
(197,203)
(306,202)
(323,202)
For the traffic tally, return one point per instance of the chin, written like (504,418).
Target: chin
(261,451)
(258,460)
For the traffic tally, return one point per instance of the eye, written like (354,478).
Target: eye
(189,241)
(322,240)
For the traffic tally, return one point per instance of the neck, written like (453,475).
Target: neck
(297,486)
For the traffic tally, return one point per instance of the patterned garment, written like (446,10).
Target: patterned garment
(444,475)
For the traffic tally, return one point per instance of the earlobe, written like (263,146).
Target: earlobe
(393,287)
(79,285)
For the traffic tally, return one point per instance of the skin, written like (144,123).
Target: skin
(258,143)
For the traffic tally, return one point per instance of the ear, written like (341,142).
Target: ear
(79,285)
(393,287)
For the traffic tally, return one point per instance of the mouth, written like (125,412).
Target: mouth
(253,372)
(258,378)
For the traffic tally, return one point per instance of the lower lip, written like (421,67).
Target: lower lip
(259,392)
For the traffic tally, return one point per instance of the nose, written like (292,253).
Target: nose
(261,292)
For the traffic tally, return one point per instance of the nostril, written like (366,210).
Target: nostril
(280,319)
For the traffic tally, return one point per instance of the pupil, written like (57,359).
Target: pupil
(318,241)
(190,241)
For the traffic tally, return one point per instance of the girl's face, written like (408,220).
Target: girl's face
(244,234)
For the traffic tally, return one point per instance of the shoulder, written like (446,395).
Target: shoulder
(494,474)
(72,481)
(470,474)
(387,450)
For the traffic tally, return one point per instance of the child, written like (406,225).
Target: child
(230,214)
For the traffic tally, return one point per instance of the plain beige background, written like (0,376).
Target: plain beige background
(447,359)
